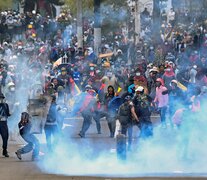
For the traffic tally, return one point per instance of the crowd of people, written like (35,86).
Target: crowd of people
(40,58)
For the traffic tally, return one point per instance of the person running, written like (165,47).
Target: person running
(25,132)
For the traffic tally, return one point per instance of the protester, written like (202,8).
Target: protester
(45,48)
(4,114)
(161,100)
(25,132)
(52,131)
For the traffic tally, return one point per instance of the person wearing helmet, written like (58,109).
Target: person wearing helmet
(142,103)
(161,100)
(127,118)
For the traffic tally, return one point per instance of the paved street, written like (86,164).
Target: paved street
(12,168)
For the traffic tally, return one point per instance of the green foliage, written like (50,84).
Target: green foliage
(71,4)
(113,12)
(5,4)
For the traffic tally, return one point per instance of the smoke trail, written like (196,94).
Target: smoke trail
(28,85)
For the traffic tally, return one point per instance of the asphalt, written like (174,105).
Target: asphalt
(13,169)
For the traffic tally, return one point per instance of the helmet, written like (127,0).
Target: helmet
(30,26)
(128,98)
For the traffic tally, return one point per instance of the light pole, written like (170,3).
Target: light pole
(137,21)
(97,26)
(79,23)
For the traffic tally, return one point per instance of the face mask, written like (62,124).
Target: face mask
(168,70)
(91,68)
(63,72)
(138,74)
(158,84)
(12,89)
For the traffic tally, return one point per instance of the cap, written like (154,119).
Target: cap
(106,46)
(174,81)
(88,87)
(90,48)
(195,66)
(154,69)
(11,84)
(139,89)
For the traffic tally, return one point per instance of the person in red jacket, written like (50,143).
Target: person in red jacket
(87,109)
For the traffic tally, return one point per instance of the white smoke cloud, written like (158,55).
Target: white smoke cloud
(161,155)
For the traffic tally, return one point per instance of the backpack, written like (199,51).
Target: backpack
(124,110)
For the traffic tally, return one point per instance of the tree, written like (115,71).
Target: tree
(5,4)
(87,5)
(44,7)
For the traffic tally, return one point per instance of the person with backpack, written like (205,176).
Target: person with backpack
(127,118)
(142,103)
(33,143)
(51,124)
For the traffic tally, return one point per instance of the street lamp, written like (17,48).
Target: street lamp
(137,23)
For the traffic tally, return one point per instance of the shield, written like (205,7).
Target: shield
(62,65)
(114,104)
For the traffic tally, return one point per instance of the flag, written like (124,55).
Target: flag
(74,88)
